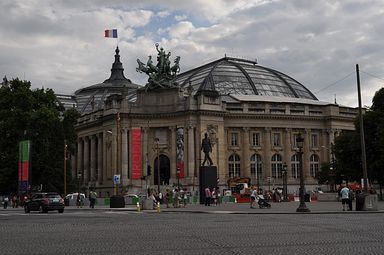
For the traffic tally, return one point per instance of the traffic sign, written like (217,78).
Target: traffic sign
(116,179)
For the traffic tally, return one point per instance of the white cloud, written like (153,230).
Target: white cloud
(163,14)
(180,17)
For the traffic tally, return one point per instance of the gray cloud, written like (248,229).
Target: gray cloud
(60,44)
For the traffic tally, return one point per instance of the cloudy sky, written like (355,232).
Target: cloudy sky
(60,44)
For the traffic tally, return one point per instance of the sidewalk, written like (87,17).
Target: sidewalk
(243,208)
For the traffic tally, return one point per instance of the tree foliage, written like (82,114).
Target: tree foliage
(34,115)
(347,147)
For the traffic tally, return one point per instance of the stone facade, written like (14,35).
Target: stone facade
(252,138)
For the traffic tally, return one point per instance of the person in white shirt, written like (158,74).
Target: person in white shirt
(344,196)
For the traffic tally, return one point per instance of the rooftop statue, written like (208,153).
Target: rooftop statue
(161,75)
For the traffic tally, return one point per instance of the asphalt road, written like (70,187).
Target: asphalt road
(129,232)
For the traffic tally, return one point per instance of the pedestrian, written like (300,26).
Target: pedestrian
(208,196)
(92,198)
(183,197)
(6,199)
(214,196)
(253,197)
(344,193)
(350,199)
(153,198)
(168,197)
(14,201)
(79,200)
(175,197)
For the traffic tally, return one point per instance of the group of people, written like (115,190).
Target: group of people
(176,197)
(212,196)
(14,201)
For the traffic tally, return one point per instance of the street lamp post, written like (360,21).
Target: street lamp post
(285,190)
(78,200)
(65,167)
(302,207)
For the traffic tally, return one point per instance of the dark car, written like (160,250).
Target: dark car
(44,202)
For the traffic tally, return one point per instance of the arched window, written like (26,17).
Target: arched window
(314,165)
(277,166)
(234,165)
(256,170)
(295,166)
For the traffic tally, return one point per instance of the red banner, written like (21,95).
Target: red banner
(136,153)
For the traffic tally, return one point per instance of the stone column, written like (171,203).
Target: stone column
(267,155)
(86,160)
(124,157)
(80,157)
(246,164)
(307,152)
(173,152)
(100,145)
(106,164)
(144,156)
(287,151)
(191,152)
(114,156)
(93,160)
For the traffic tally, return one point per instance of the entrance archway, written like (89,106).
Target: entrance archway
(165,170)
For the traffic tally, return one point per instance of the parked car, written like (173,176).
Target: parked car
(44,202)
(71,199)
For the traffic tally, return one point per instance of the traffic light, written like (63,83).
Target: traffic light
(149,172)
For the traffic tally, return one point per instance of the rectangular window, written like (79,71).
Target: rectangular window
(314,169)
(294,138)
(255,139)
(234,139)
(295,170)
(314,140)
(276,139)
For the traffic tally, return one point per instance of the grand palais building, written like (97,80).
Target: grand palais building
(252,115)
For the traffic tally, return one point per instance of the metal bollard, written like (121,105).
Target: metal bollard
(138,207)
(158,207)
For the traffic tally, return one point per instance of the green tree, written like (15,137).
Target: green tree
(38,116)
(347,147)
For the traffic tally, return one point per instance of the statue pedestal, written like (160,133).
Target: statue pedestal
(207,178)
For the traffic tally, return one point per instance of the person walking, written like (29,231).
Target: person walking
(208,196)
(92,199)
(6,200)
(344,193)
(214,196)
(350,199)
(253,198)
(168,196)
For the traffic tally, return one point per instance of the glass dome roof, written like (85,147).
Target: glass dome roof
(242,77)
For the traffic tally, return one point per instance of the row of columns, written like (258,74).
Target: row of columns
(100,156)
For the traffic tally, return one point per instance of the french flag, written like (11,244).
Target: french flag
(111,33)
